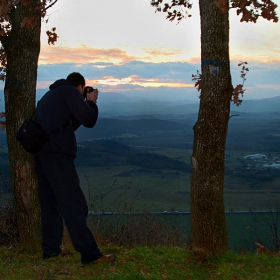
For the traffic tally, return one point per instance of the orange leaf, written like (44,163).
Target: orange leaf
(29,22)
(223,5)
(3,126)
(52,36)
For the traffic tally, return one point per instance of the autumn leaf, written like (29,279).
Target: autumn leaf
(223,5)
(5,9)
(178,9)
(2,32)
(250,11)
(52,36)
(3,126)
(198,80)
(29,22)
(239,90)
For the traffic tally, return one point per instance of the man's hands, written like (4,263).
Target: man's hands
(92,96)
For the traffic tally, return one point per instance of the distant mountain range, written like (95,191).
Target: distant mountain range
(114,104)
(259,105)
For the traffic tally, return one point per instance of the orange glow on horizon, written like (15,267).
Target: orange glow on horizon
(110,82)
(134,80)
(84,54)
(102,58)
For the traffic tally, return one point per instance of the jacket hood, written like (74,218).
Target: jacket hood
(58,83)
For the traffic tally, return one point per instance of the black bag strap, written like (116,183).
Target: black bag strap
(61,127)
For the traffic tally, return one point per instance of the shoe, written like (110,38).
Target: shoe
(63,252)
(106,258)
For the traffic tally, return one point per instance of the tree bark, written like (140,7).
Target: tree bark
(207,178)
(22,48)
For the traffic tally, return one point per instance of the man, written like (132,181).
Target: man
(61,197)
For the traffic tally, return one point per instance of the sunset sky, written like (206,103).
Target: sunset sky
(124,46)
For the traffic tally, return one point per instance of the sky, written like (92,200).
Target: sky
(124,46)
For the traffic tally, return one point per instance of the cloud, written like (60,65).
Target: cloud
(161,52)
(116,70)
(164,55)
(171,75)
(265,60)
(83,54)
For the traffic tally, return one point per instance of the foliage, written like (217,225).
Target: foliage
(139,263)
(250,10)
(3,64)
(52,36)
(179,7)
(6,9)
(2,115)
(238,91)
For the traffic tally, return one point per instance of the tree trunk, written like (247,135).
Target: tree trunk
(22,49)
(207,178)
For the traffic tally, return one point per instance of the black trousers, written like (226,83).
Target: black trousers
(61,198)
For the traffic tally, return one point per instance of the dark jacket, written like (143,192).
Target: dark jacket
(61,104)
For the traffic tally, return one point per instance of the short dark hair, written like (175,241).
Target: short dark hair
(76,79)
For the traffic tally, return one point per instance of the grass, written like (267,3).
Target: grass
(140,263)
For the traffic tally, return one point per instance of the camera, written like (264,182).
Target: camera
(87,90)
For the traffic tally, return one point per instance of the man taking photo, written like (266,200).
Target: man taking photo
(61,197)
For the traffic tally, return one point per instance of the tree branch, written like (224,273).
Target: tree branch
(50,5)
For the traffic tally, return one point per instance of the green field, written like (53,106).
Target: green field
(169,190)
(131,165)
(163,191)
(121,188)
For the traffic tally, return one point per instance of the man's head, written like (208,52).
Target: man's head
(77,80)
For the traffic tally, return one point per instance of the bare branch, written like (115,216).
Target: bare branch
(46,8)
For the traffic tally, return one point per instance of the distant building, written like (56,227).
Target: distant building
(273,166)
(256,157)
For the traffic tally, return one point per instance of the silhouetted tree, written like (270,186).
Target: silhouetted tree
(210,131)
(20,30)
